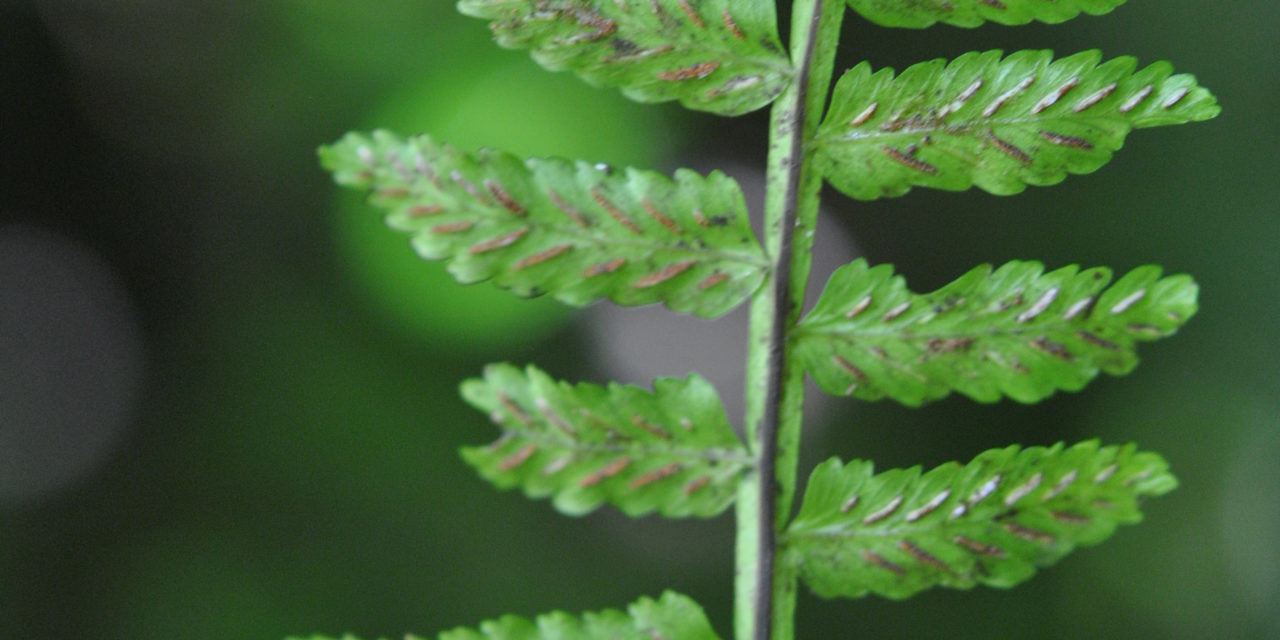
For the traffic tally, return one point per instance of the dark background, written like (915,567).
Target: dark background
(228,399)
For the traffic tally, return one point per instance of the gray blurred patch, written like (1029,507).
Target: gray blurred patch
(70,362)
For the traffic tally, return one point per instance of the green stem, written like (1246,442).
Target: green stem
(766,589)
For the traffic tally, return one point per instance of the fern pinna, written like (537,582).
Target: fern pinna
(582,232)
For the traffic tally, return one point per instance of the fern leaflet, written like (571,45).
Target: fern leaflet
(999,124)
(720,56)
(580,232)
(971,13)
(993,521)
(1015,331)
(670,451)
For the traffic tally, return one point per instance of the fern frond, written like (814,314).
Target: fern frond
(579,232)
(721,56)
(1014,331)
(998,124)
(671,450)
(993,521)
(344,637)
(673,616)
(918,14)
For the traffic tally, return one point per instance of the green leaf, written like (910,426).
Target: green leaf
(345,637)
(670,451)
(673,616)
(1015,331)
(577,231)
(917,14)
(721,56)
(999,124)
(993,521)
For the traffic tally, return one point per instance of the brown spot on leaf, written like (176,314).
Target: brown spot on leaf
(692,72)
(514,409)
(1098,341)
(653,429)
(568,209)
(1066,141)
(1052,348)
(424,210)
(452,227)
(731,25)
(470,188)
(696,485)
(554,418)
(1029,534)
(880,561)
(493,244)
(909,161)
(663,220)
(1071,518)
(664,274)
(604,267)
(542,256)
(518,458)
(693,15)
(1145,329)
(922,555)
(605,472)
(615,213)
(655,475)
(1009,149)
(700,218)
(392,192)
(939,346)
(849,367)
(504,198)
(978,547)
(712,280)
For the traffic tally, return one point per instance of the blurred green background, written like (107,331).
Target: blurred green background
(227,394)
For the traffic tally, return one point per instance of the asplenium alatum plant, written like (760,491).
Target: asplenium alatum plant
(581,232)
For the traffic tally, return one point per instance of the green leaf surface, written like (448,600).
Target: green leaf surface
(998,124)
(1015,331)
(580,232)
(671,450)
(673,616)
(917,14)
(721,56)
(993,521)
(344,637)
